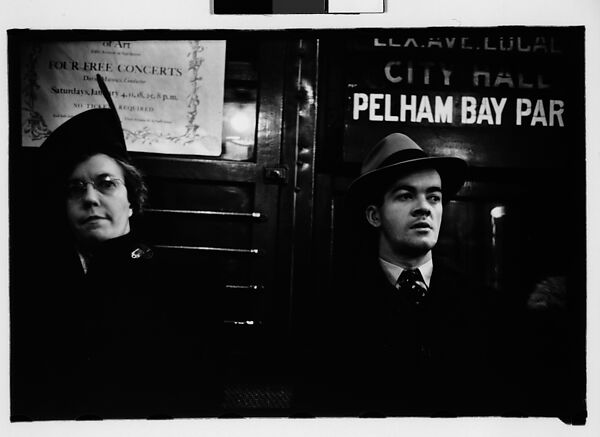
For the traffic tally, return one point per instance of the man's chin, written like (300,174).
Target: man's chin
(419,248)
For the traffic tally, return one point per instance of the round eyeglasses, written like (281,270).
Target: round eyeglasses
(103,184)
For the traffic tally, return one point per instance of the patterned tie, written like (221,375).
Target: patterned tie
(411,282)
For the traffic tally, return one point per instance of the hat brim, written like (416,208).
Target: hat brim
(452,171)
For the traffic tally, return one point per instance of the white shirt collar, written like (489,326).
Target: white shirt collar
(84,262)
(392,271)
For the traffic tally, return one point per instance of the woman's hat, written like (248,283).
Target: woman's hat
(85,134)
(396,155)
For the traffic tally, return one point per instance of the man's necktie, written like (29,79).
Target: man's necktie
(411,282)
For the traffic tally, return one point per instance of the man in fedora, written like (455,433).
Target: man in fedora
(402,191)
(410,329)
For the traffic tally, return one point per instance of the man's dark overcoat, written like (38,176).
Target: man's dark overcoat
(393,358)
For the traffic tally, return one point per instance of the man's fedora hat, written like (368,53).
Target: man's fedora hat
(396,155)
(85,134)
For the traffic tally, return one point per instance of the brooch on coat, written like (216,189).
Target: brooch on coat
(142,252)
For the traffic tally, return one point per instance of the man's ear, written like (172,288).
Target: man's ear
(372,215)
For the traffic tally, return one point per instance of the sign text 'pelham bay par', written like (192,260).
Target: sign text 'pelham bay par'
(477,80)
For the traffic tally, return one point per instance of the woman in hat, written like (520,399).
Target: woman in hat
(95,179)
(105,338)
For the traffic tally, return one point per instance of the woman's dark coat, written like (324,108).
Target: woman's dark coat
(129,339)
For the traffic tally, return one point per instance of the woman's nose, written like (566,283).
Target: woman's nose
(90,195)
